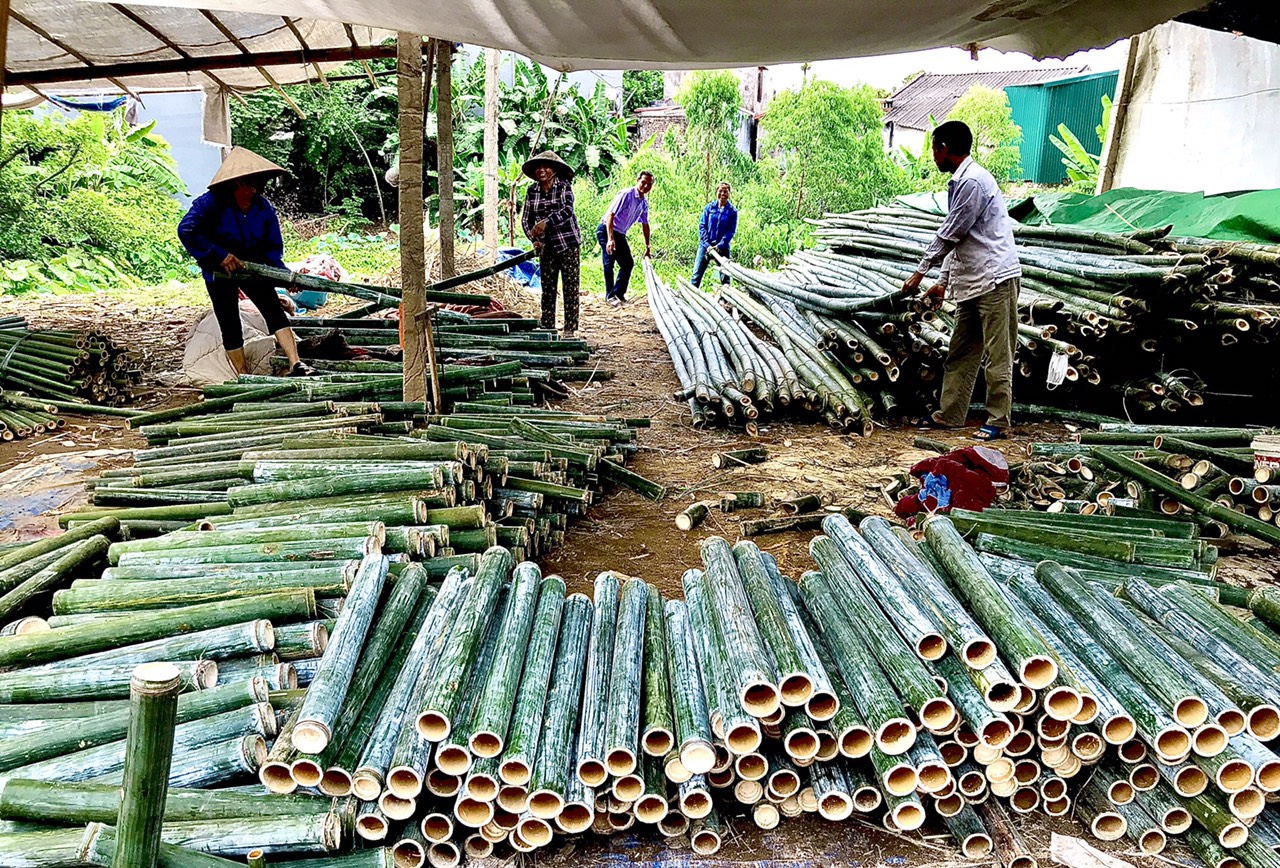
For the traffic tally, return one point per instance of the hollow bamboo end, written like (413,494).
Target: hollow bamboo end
(696,805)
(477,847)
(443,785)
(801,744)
(896,736)
(931,646)
(482,787)
(1057,807)
(1264,722)
(867,799)
(397,808)
(1233,835)
(1003,696)
(1232,721)
(512,798)
(311,736)
(1176,821)
(1108,826)
(453,759)
(976,846)
(938,714)
(1152,841)
(155,679)
(276,777)
(835,806)
(651,809)
(517,773)
(1190,782)
(545,804)
(1063,703)
(997,733)
(436,827)
(486,744)
(620,761)
(1247,804)
(657,741)
(1172,743)
(705,842)
(628,788)
(751,766)
(743,738)
(444,854)
(336,783)
(434,726)
(590,772)
(933,777)
(1038,672)
(1209,740)
(698,757)
(908,816)
(1120,792)
(575,818)
(472,813)
(536,832)
(784,783)
(371,827)
(1119,729)
(1191,711)
(795,689)
(900,780)
(760,699)
(856,742)
(367,787)
(404,782)
(408,854)
(822,705)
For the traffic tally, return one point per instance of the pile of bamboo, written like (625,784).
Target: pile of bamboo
(1119,315)
(729,374)
(904,678)
(62,367)
(280,454)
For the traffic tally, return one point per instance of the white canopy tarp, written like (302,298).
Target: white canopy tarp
(689,34)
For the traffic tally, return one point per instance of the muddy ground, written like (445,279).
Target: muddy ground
(624,532)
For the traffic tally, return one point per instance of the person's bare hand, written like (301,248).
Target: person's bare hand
(539,228)
(912,283)
(231,263)
(610,247)
(288,304)
(935,295)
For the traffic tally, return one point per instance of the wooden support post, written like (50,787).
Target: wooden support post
(1111,148)
(412,244)
(4,55)
(444,154)
(491,239)
(433,367)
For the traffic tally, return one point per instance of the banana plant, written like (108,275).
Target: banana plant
(1082,166)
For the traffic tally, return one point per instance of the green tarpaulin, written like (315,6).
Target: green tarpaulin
(1253,216)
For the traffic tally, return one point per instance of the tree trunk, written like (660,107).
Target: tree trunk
(412,242)
(491,239)
(444,155)
(4,38)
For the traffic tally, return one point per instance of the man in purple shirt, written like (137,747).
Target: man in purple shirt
(628,208)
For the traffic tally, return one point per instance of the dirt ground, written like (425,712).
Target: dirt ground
(624,532)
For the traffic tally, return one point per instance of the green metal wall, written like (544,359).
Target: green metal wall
(1039,108)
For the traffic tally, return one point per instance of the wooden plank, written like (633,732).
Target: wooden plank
(4,43)
(199,64)
(155,32)
(412,242)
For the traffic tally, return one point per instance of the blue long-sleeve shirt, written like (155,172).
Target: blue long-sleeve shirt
(215,226)
(717,226)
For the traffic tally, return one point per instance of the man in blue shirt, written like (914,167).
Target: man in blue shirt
(232,224)
(719,223)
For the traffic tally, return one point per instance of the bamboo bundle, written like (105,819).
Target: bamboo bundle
(1099,314)
(47,371)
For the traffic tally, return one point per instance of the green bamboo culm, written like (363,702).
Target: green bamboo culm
(329,688)
(498,696)
(622,722)
(657,735)
(153,713)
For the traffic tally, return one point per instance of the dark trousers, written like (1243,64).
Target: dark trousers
(703,260)
(564,265)
(621,256)
(225,296)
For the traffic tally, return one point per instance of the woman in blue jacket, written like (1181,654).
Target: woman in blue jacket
(719,223)
(230,225)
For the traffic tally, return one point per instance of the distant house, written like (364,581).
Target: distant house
(1040,98)
(655,120)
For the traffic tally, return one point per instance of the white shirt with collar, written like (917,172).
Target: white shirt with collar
(975,243)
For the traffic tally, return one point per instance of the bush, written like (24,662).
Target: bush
(86,204)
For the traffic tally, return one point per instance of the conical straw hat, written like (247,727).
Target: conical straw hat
(241,163)
(548,158)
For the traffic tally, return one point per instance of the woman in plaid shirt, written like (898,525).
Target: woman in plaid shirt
(551,225)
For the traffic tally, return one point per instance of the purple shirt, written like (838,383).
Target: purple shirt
(628,209)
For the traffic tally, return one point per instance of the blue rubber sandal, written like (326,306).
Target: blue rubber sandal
(987,433)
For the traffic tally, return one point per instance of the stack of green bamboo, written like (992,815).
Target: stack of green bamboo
(62,366)
(904,678)
(1104,311)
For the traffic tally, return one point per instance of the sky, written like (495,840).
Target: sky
(888,71)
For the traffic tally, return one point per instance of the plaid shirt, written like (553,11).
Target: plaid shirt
(556,207)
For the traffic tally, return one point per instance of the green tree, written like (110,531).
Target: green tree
(995,136)
(640,87)
(830,143)
(711,103)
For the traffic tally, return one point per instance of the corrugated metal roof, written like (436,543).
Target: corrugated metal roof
(935,95)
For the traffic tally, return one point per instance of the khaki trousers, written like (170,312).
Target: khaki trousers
(986,326)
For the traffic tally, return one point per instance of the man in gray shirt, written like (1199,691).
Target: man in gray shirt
(980,268)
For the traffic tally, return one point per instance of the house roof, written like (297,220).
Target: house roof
(932,95)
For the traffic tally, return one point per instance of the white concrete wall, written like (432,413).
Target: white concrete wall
(1204,113)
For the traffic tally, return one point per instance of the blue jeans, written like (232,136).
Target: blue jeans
(621,256)
(702,261)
